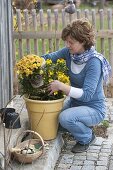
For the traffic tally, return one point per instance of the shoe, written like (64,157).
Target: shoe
(78,148)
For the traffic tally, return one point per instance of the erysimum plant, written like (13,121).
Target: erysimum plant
(35,74)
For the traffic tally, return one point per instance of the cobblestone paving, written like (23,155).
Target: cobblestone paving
(98,157)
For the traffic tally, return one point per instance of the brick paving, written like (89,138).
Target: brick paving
(98,157)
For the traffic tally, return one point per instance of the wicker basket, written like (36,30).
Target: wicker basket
(28,158)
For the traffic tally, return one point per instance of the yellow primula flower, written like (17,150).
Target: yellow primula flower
(50,80)
(48,61)
(60,60)
(41,72)
(55,93)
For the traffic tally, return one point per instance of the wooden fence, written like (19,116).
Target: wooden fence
(40,32)
(6,68)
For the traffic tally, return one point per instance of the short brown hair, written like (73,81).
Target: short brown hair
(80,30)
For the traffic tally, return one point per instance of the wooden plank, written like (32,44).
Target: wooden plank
(56,45)
(41,29)
(86,13)
(93,14)
(19,22)
(70,18)
(101,13)
(28,50)
(33,12)
(49,19)
(15,80)
(78,13)
(109,18)
(52,34)
(94,18)
(63,20)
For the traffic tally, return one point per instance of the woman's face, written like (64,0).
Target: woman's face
(74,46)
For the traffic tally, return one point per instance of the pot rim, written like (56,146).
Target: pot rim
(43,101)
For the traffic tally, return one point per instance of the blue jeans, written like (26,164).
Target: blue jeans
(78,121)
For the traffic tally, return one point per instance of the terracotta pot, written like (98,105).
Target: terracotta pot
(43,116)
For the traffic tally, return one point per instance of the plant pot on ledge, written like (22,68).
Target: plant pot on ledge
(43,116)
(35,75)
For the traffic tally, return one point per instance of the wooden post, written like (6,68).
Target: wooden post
(6,66)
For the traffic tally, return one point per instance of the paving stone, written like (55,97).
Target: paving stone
(99,141)
(81,154)
(94,147)
(64,166)
(92,156)
(78,162)
(79,157)
(106,150)
(101,168)
(104,154)
(87,162)
(75,167)
(103,158)
(93,151)
(88,167)
(67,159)
(108,142)
(103,163)
(107,146)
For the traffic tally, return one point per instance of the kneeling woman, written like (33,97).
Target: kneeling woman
(87,70)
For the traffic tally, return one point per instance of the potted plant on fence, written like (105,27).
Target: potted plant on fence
(34,75)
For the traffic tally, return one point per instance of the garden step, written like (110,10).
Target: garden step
(51,153)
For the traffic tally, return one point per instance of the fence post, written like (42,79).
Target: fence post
(6,66)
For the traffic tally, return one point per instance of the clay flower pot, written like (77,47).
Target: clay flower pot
(43,116)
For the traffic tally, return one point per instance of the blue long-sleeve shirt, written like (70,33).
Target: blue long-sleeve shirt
(90,79)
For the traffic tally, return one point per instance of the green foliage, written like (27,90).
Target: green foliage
(105,123)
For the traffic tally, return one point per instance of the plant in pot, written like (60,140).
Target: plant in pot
(34,75)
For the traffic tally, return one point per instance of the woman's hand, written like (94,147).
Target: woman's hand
(54,86)
(57,85)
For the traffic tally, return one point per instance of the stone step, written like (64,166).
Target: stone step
(51,153)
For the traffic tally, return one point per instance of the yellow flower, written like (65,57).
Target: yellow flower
(60,60)
(48,61)
(50,73)
(32,69)
(50,80)
(28,64)
(56,92)
(41,72)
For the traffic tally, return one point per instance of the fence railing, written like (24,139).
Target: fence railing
(40,32)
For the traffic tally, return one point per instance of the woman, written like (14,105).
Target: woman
(87,70)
